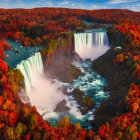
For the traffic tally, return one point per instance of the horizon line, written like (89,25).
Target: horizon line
(69,8)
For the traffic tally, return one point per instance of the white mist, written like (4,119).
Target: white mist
(42,92)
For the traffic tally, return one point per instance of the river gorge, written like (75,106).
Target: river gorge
(54,98)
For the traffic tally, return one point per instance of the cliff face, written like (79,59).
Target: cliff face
(115,37)
(118,77)
(58,57)
(57,49)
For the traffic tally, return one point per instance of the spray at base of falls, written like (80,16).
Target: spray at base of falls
(42,92)
(91,44)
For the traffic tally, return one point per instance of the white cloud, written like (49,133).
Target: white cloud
(134,7)
(121,1)
(73,5)
(63,3)
(8,4)
(98,7)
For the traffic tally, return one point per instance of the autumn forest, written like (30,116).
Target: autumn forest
(118,117)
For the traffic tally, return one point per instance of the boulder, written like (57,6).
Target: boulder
(61,106)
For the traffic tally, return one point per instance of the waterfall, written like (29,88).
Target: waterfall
(91,44)
(27,66)
(40,90)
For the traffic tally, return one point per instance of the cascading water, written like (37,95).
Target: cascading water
(27,66)
(91,44)
(45,94)
(42,92)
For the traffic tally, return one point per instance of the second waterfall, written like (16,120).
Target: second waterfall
(91,44)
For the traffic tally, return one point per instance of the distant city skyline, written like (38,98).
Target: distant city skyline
(133,5)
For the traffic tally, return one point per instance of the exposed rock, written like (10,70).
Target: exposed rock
(85,102)
(16,51)
(64,90)
(76,57)
(64,71)
(88,60)
(61,106)
(23,96)
(107,89)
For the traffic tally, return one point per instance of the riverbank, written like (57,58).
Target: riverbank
(119,82)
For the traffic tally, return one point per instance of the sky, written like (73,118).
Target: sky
(133,5)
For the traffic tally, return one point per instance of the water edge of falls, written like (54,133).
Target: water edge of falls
(27,66)
(91,44)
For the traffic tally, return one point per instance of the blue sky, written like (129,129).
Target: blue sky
(78,4)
